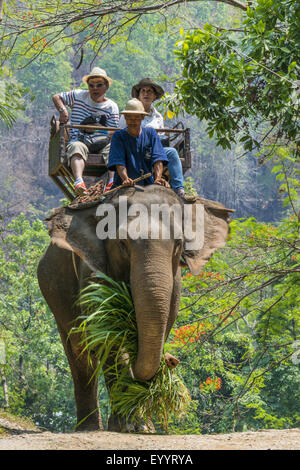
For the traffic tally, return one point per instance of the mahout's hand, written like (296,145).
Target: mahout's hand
(128,182)
(162,182)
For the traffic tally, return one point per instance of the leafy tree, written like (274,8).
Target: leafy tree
(54,75)
(37,375)
(243,82)
(76,23)
(6,114)
(12,94)
(239,368)
(239,324)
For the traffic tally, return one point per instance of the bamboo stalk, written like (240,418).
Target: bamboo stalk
(66,179)
(140,178)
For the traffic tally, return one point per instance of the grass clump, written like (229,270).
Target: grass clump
(109,325)
(21,421)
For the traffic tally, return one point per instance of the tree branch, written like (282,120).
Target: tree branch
(110,16)
(1,9)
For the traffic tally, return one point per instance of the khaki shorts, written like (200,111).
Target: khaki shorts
(81,149)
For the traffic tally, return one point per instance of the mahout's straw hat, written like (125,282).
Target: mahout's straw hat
(134,106)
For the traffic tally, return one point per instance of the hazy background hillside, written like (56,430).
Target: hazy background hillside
(237,331)
(237,181)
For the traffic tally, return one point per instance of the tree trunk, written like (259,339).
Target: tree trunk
(4,385)
(1,9)
(21,371)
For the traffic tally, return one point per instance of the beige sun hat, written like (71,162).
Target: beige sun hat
(134,106)
(97,72)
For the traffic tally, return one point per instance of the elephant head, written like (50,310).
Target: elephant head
(150,264)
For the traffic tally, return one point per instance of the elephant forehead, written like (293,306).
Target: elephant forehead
(147,225)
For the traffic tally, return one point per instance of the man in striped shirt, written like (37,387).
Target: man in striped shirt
(84,104)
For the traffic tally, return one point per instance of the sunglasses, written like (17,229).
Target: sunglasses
(96,85)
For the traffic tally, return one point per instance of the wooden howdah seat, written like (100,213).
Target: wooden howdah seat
(61,174)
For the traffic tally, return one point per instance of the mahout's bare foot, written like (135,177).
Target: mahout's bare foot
(171,361)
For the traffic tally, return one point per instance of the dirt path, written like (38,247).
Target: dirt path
(17,438)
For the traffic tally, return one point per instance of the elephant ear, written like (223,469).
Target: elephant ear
(76,231)
(216,228)
(58,225)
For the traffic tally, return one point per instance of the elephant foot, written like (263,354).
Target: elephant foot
(120,424)
(92,423)
(171,361)
(146,427)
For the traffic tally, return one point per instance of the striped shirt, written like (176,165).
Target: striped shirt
(83,106)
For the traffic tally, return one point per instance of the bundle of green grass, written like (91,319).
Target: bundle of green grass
(109,324)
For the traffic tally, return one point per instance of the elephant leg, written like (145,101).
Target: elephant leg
(117,422)
(85,388)
(59,286)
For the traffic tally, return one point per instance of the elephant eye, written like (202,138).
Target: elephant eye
(123,246)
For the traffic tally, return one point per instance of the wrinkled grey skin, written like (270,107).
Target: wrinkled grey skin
(152,267)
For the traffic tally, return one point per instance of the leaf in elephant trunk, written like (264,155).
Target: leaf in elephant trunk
(109,324)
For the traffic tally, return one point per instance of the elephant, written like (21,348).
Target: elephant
(152,268)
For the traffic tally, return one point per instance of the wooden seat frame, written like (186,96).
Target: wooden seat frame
(60,172)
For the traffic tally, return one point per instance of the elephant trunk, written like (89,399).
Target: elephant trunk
(151,282)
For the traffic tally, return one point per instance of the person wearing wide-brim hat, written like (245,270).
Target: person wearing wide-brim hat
(147,82)
(87,104)
(147,91)
(135,150)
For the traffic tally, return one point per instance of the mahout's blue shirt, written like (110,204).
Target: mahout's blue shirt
(137,154)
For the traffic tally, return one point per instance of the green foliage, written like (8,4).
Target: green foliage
(6,114)
(189,187)
(108,320)
(288,174)
(244,87)
(54,76)
(38,379)
(34,28)
(252,284)
(238,327)
(109,324)
(161,398)
(12,98)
